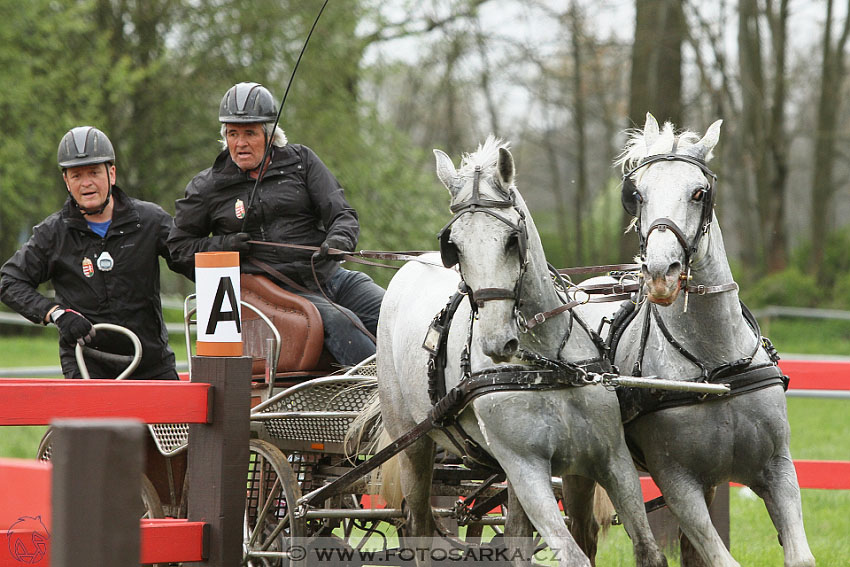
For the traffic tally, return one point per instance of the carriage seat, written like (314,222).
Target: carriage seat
(295,318)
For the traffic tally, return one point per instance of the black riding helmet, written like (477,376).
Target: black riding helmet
(86,145)
(247,103)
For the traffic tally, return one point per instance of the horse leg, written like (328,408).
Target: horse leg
(621,482)
(518,531)
(689,555)
(578,504)
(416,465)
(781,494)
(532,483)
(686,499)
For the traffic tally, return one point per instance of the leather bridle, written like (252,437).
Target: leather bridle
(662,224)
(476,204)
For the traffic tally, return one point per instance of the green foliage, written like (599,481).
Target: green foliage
(790,287)
(841,292)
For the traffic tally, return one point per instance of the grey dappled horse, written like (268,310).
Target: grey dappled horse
(690,449)
(574,433)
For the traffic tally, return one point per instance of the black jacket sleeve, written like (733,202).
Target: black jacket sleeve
(190,232)
(164,226)
(340,219)
(21,275)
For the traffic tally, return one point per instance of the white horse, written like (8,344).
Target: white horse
(693,327)
(571,432)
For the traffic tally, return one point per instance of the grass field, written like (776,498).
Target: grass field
(820,430)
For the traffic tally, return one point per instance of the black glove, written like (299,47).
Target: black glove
(322,253)
(237,242)
(73,327)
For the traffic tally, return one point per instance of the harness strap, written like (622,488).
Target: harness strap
(599,269)
(708,289)
(481,296)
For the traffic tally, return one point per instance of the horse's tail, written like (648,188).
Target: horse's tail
(369,425)
(603,509)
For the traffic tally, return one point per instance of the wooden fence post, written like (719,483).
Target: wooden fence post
(97,472)
(218,457)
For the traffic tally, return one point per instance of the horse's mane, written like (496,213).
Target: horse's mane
(485,156)
(636,149)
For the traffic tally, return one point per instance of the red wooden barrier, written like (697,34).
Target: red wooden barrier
(40,401)
(817,374)
(25,522)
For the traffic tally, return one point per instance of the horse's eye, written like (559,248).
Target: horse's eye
(698,194)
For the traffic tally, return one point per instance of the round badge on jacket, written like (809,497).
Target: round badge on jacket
(105,261)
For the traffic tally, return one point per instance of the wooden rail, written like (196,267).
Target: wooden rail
(219,432)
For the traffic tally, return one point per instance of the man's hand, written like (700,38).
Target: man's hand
(323,251)
(237,242)
(73,327)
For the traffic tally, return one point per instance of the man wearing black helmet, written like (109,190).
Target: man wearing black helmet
(100,252)
(298,201)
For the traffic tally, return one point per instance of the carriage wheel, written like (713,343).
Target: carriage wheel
(270,526)
(150,503)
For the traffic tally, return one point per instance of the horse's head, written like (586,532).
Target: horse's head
(487,238)
(669,189)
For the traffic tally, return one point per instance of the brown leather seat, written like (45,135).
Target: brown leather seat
(296,319)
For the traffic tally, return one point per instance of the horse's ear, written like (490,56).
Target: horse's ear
(702,148)
(650,131)
(445,169)
(505,166)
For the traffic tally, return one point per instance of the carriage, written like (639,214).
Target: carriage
(505,451)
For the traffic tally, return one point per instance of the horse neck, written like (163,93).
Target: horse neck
(723,333)
(539,296)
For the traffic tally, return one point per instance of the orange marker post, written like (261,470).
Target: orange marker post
(218,292)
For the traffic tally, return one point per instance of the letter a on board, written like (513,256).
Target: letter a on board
(225,286)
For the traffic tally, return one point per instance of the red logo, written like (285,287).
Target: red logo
(88,267)
(240,209)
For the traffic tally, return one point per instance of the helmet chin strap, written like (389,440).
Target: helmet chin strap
(97,212)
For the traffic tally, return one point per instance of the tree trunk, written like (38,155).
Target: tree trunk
(656,79)
(829,106)
(579,117)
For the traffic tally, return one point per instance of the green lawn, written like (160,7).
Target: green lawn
(820,430)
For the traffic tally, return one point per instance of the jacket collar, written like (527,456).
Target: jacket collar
(228,173)
(123,211)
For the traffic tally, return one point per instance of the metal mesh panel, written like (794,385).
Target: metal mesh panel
(318,395)
(262,486)
(170,438)
(303,465)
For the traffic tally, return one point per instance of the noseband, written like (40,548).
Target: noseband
(448,250)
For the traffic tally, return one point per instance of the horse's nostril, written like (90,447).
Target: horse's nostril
(674,270)
(511,346)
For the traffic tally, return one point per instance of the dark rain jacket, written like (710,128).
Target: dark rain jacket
(64,250)
(299,201)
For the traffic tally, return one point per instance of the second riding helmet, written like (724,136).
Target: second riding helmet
(247,103)
(84,145)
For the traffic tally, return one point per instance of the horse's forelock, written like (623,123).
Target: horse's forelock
(486,157)
(635,148)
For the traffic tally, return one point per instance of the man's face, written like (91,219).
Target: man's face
(246,144)
(89,184)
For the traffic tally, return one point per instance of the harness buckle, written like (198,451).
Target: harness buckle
(700,289)
(540,318)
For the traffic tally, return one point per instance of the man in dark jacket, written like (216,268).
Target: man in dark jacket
(298,201)
(101,253)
